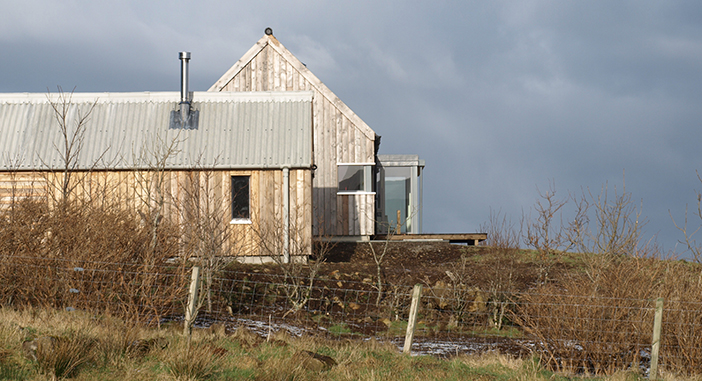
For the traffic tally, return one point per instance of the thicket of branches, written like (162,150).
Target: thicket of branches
(598,317)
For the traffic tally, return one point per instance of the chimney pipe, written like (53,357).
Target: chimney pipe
(184,94)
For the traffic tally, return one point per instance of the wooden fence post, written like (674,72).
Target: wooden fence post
(656,344)
(192,302)
(414,309)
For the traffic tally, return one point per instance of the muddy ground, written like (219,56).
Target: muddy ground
(352,265)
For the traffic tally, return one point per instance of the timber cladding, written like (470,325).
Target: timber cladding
(194,199)
(339,135)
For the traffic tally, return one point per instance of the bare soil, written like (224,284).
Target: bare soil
(408,263)
(352,266)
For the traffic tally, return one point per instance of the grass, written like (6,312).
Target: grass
(103,349)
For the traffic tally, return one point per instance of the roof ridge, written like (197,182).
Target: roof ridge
(270,40)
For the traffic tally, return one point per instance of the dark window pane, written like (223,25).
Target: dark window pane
(351,178)
(240,197)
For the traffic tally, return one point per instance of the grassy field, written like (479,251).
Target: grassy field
(84,347)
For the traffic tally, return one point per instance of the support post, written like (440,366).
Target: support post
(411,324)
(656,343)
(398,228)
(286,215)
(191,311)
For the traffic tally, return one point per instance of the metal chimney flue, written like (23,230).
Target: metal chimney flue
(184,94)
(185,117)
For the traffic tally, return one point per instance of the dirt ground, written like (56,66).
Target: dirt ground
(409,263)
(432,264)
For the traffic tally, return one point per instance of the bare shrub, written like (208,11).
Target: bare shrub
(593,327)
(87,256)
(693,247)
(289,249)
(618,223)
(205,230)
(547,233)
(501,231)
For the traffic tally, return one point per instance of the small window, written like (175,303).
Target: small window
(355,178)
(240,198)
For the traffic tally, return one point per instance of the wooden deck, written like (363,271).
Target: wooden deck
(471,239)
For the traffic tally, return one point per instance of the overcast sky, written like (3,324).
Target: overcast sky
(500,98)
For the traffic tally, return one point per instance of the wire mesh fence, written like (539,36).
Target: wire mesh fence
(571,333)
(138,292)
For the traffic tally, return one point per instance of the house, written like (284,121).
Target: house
(246,150)
(269,139)
(345,147)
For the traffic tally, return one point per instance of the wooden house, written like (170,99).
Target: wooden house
(269,138)
(248,153)
(345,147)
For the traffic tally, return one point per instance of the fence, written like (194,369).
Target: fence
(575,334)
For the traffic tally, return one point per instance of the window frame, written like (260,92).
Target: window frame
(240,220)
(367,179)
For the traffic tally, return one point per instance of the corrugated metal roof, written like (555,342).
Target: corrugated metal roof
(131,130)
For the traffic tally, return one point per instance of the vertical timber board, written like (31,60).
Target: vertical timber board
(255,73)
(288,76)
(354,211)
(308,205)
(299,201)
(278,201)
(256,191)
(344,157)
(361,209)
(295,80)
(327,165)
(234,85)
(369,216)
(279,75)
(344,215)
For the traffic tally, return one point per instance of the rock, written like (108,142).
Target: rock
(313,361)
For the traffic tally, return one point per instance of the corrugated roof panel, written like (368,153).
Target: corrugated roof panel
(131,130)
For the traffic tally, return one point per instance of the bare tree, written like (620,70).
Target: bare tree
(150,183)
(299,272)
(618,223)
(206,232)
(72,121)
(546,233)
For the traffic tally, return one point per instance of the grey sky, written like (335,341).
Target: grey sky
(499,98)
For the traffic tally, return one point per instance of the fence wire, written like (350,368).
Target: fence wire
(571,333)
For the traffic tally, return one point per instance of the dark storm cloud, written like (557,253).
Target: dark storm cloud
(500,98)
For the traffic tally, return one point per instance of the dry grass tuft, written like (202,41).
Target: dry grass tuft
(198,361)
(493,358)
(61,357)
